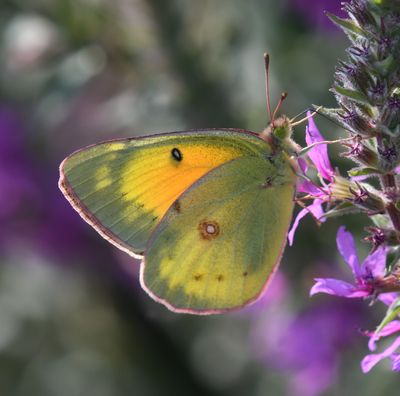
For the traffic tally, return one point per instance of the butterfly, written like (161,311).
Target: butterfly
(207,210)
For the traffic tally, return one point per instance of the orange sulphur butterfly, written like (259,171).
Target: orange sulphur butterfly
(207,210)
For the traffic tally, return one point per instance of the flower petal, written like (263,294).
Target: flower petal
(347,248)
(337,287)
(318,154)
(303,165)
(305,186)
(371,360)
(388,298)
(315,209)
(375,263)
(390,328)
(396,363)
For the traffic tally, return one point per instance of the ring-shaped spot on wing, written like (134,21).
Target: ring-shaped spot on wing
(219,250)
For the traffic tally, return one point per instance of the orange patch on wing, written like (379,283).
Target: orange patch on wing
(155,178)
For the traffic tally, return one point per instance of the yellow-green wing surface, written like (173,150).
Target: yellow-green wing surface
(124,187)
(222,239)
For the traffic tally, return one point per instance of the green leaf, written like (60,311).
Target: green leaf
(361,171)
(347,25)
(333,114)
(386,66)
(342,209)
(351,94)
(381,221)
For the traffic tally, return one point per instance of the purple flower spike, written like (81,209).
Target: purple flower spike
(371,360)
(319,153)
(364,274)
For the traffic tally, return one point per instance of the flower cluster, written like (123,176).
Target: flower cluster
(368,94)
(371,277)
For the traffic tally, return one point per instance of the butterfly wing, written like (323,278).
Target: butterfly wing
(220,242)
(124,187)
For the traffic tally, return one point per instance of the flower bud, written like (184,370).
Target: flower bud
(379,236)
(389,155)
(361,195)
(361,153)
(357,122)
(359,11)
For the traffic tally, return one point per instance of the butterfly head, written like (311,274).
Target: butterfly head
(278,135)
(281,128)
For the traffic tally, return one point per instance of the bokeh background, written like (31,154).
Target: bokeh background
(73,318)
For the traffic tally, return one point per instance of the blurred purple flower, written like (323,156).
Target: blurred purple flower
(365,274)
(32,210)
(19,190)
(307,346)
(314,12)
(272,295)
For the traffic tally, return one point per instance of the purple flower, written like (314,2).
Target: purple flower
(391,328)
(319,156)
(18,179)
(371,360)
(365,274)
(32,210)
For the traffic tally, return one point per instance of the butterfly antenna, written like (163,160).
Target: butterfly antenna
(266,64)
(278,106)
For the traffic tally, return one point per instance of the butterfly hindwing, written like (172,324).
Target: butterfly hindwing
(124,187)
(219,243)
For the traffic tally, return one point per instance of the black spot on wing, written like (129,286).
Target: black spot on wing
(177,154)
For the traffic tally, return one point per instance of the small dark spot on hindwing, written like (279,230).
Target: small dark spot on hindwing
(177,206)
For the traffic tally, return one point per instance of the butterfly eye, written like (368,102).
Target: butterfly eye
(176,154)
(209,229)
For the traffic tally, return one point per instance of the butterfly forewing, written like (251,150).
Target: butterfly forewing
(123,188)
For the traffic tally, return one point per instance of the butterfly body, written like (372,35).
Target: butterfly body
(208,209)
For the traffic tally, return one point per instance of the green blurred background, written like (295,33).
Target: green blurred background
(73,319)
